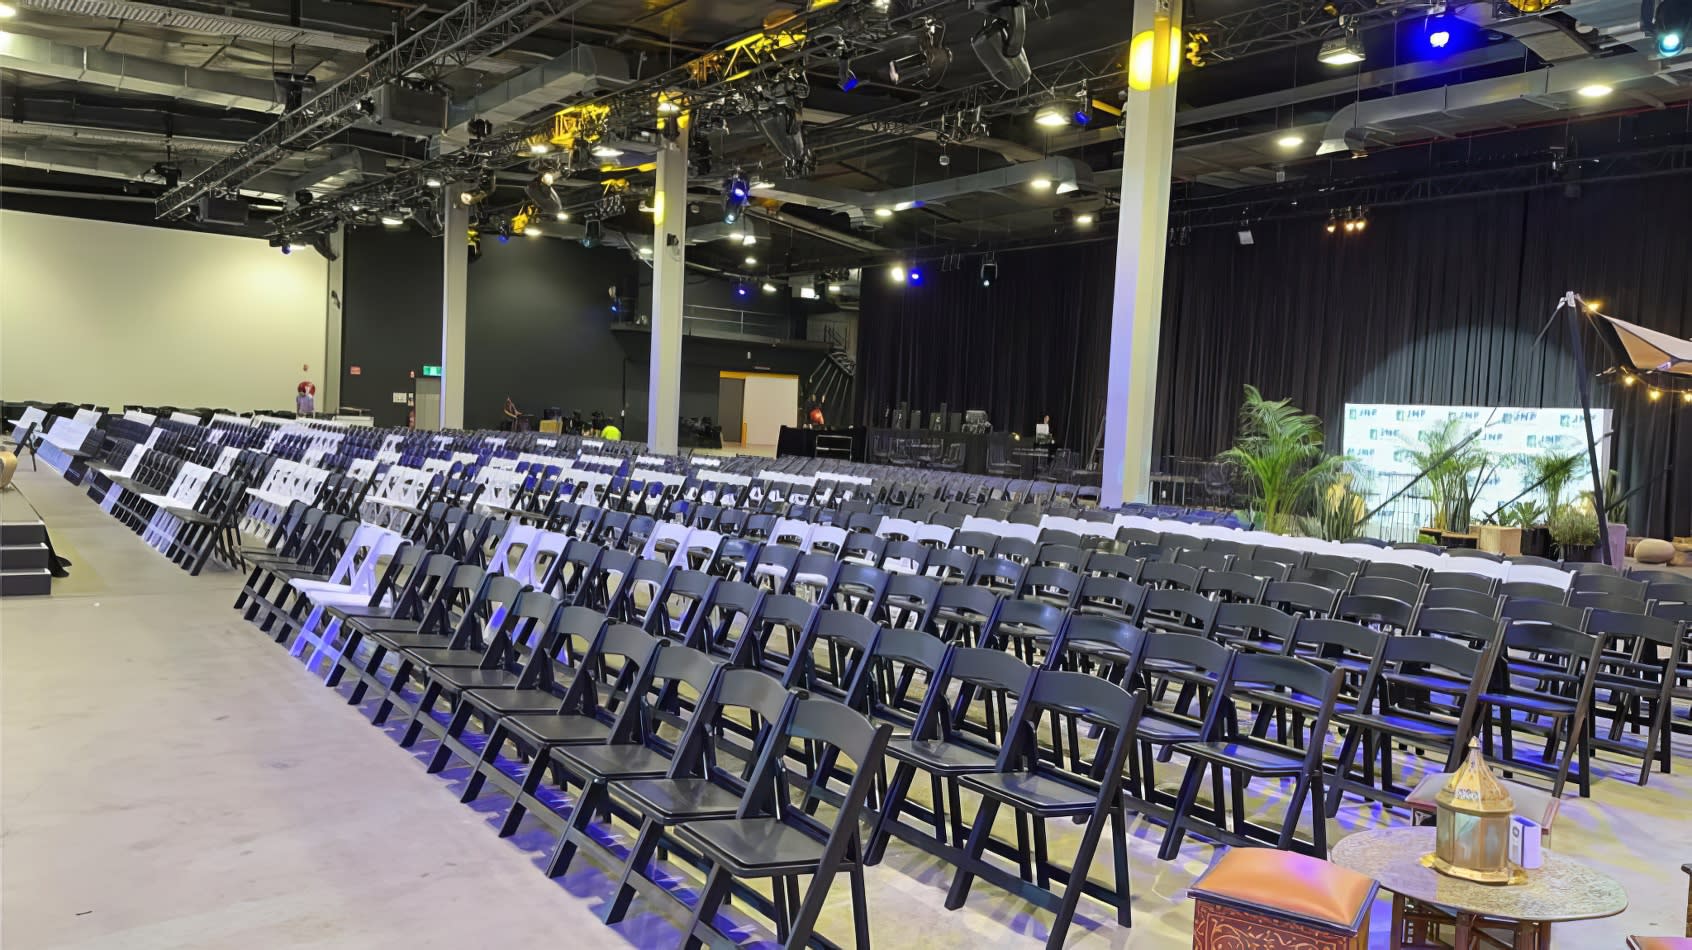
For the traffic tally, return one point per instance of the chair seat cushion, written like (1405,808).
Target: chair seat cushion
(1157,728)
(557,729)
(1244,755)
(507,702)
(1413,727)
(406,640)
(1033,792)
(1659,943)
(441,656)
(463,678)
(672,800)
(753,846)
(944,758)
(612,761)
(1289,884)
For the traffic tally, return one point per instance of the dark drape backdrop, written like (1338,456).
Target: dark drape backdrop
(1031,345)
(1435,303)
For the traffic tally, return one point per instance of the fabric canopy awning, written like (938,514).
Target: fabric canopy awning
(1643,349)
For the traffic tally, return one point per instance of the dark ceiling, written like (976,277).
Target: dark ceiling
(91,128)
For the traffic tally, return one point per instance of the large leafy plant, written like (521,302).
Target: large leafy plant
(1552,472)
(1457,468)
(1340,510)
(1280,456)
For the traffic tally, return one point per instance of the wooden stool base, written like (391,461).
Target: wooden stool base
(1222,927)
(1418,926)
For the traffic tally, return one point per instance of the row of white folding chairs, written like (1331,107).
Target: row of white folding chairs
(396,494)
(184,493)
(1427,560)
(285,483)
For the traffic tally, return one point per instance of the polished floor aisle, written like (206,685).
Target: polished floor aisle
(169,778)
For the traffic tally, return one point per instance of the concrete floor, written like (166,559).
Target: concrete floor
(169,778)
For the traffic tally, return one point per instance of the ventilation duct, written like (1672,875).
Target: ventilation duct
(584,70)
(41,57)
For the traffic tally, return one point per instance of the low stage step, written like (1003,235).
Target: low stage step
(25,583)
(22,532)
(19,557)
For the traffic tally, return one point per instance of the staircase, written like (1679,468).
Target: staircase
(25,560)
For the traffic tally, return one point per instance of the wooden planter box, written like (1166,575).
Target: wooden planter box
(1497,539)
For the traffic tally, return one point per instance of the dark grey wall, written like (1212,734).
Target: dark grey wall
(390,318)
(540,329)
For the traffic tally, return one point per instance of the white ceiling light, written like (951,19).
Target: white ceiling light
(1344,48)
(533,231)
(884,212)
(751,261)
(606,151)
(1596,90)
(1067,185)
(1085,220)
(1051,116)
(562,216)
(1040,184)
(1290,140)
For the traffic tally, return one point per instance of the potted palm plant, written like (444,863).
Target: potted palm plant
(1552,471)
(1340,509)
(1575,529)
(1457,470)
(1280,457)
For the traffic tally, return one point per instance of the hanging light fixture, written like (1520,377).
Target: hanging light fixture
(1342,47)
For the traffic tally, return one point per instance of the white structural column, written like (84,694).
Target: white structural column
(1141,239)
(455,274)
(669,273)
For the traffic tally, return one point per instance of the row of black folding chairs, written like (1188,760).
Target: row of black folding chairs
(190,531)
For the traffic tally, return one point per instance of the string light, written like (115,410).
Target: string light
(1656,394)
(1686,396)
(1627,379)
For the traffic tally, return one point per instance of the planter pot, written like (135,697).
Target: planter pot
(1577,553)
(1497,539)
(1536,541)
(1618,545)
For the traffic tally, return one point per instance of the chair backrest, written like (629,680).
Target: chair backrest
(1182,611)
(1329,642)
(1408,573)
(1257,624)
(1463,580)
(1376,610)
(1531,610)
(1107,564)
(1586,582)
(1481,630)
(1409,592)
(1533,590)
(1463,599)
(1233,586)
(1167,574)
(1268,570)
(1023,618)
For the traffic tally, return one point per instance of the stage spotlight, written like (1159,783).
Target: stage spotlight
(1596,90)
(1085,220)
(989,272)
(1052,115)
(848,80)
(392,218)
(1362,220)
(927,63)
(915,276)
(735,193)
(1350,225)
(834,288)
(1332,225)
(287,248)
(592,233)
(562,216)
(769,288)
(750,261)
(896,273)
(1041,183)
(303,197)
(1083,114)
(1439,37)
(884,212)
(1671,22)
(998,45)
(606,151)
(530,230)
(1686,396)
(741,290)
(1342,48)
(433,181)
(785,129)
(543,196)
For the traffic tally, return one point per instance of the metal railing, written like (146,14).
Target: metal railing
(721,321)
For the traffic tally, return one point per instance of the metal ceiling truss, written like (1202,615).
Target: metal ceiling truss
(1268,27)
(1320,199)
(725,84)
(471,29)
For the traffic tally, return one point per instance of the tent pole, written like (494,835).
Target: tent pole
(1571,307)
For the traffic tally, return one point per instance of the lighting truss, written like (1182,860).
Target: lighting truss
(1267,27)
(467,32)
(721,84)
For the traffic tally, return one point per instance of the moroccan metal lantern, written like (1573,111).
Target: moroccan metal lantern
(1472,831)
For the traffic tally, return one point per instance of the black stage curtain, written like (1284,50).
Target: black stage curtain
(1033,344)
(1435,303)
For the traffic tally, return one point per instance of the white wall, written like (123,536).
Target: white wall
(771,402)
(96,312)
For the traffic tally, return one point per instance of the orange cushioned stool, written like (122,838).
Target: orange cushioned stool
(1659,943)
(1260,897)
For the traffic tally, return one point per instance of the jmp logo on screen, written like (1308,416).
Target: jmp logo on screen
(1407,415)
(1353,413)
(1382,434)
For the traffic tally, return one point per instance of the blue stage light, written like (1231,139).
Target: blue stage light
(915,276)
(1439,38)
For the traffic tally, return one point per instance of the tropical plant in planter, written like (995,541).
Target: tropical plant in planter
(1279,455)
(1457,472)
(1522,514)
(1340,510)
(1552,472)
(1575,529)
